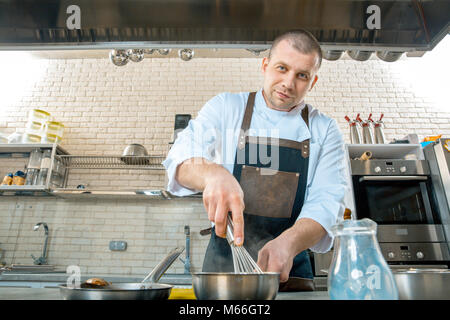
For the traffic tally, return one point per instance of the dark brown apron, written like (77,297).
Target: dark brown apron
(273,197)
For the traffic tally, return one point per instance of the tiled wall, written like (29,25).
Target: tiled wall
(105,107)
(80,232)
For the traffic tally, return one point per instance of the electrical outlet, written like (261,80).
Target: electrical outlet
(117,245)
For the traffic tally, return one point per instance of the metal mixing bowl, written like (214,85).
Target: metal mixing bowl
(135,154)
(423,284)
(232,286)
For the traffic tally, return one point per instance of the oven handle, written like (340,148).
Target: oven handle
(393,178)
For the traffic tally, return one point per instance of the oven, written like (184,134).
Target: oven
(394,192)
(398,196)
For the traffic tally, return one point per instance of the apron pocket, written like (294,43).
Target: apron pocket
(267,192)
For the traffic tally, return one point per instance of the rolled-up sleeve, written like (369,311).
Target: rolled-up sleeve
(325,195)
(198,140)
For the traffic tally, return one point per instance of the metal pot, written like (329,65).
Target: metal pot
(235,286)
(128,291)
(422,284)
(359,55)
(135,154)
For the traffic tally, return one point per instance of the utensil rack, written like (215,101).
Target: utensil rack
(113,162)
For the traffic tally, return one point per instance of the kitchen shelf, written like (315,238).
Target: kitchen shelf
(15,190)
(113,162)
(83,194)
(109,194)
(386,151)
(16,149)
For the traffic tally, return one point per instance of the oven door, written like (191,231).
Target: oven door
(395,199)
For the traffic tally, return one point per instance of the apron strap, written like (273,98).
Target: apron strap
(247,119)
(305,144)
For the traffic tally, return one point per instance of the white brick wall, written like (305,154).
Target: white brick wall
(105,108)
(80,233)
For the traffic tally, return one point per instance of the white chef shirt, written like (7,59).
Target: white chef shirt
(213,135)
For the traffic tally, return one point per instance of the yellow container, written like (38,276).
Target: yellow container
(31,138)
(37,115)
(34,127)
(182,294)
(7,180)
(19,178)
(50,138)
(55,128)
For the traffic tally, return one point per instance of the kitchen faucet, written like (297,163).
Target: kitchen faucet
(42,259)
(187,259)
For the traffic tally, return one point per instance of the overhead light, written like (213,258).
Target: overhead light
(186,54)
(360,55)
(389,56)
(136,55)
(118,57)
(332,55)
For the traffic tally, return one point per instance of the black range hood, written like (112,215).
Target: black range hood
(121,24)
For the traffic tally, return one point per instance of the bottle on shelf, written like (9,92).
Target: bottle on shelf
(34,165)
(45,166)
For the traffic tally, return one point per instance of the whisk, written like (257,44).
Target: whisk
(242,261)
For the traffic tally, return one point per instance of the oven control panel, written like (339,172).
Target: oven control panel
(389,167)
(414,252)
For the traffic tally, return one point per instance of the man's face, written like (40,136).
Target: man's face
(288,76)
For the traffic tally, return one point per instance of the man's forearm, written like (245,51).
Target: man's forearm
(221,193)
(304,234)
(194,172)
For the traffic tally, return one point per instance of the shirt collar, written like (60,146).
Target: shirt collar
(262,108)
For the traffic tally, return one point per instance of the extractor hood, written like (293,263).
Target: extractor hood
(404,26)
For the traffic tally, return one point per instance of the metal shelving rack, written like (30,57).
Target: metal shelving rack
(112,162)
(72,162)
(23,150)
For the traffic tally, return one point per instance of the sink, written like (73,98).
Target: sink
(30,268)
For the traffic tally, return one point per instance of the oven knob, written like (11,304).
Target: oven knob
(377,169)
(402,169)
(419,255)
(391,255)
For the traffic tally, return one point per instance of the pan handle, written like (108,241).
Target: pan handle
(159,270)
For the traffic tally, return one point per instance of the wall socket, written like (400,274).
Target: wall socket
(117,245)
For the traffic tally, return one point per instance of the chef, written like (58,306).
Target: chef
(271,160)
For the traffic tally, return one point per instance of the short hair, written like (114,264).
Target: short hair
(300,40)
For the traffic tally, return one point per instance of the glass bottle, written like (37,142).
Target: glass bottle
(34,165)
(358,270)
(45,166)
(57,174)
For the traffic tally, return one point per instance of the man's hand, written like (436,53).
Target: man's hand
(221,194)
(278,254)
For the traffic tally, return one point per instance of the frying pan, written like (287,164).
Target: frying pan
(128,291)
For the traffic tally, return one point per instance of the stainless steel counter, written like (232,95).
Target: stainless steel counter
(14,293)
